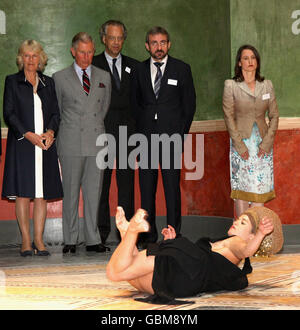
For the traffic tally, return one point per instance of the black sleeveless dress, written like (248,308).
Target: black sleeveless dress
(184,269)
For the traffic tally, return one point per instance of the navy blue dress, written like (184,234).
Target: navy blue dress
(18,113)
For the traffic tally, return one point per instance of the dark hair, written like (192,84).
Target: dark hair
(157,30)
(103,28)
(238,75)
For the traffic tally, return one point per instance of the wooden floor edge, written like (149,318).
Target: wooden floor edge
(218,125)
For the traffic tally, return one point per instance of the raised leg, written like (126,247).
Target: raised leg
(125,264)
(121,222)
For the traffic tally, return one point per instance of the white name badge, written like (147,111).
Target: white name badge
(127,69)
(172,82)
(266,97)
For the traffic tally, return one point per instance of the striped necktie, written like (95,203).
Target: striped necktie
(158,77)
(86,82)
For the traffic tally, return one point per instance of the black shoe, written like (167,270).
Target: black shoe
(69,248)
(97,248)
(40,253)
(26,253)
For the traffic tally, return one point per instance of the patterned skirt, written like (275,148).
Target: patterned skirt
(252,179)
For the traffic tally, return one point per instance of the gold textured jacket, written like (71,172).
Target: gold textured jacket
(242,108)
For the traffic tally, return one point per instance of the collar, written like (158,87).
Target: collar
(110,59)
(41,78)
(79,70)
(165,60)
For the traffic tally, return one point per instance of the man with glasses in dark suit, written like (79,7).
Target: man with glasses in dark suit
(165,103)
(113,34)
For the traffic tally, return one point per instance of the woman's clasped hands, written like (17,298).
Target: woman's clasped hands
(43,141)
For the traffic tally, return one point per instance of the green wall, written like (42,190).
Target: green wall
(199,33)
(267,24)
(205,34)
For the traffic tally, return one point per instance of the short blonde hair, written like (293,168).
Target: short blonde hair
(36,47)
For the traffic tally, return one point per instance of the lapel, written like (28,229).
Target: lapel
(42,81)
(258,88)
(148,81)
(74,82)
(93,81)
(104,63)
(125,75)
(164,79)
(106,67)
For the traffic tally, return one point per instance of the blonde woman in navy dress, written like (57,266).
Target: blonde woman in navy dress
(247,99)
(31,165)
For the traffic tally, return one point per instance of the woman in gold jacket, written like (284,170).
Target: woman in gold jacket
(247,98)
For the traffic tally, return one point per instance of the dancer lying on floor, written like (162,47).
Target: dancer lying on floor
(177,267)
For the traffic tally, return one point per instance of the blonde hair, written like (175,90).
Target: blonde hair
(36,47)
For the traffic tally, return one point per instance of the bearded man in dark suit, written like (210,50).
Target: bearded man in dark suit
(165,103)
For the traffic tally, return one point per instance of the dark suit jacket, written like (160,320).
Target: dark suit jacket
(18,113)
(176,103)
(120,110)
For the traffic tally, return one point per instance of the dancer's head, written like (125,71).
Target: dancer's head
(251,218)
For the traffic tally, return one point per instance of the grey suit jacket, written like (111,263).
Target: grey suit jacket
(82,116)
(242,109)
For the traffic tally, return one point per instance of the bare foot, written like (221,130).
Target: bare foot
(121,222)
(138,222)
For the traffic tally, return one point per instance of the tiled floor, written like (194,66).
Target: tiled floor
(10,257)
(79,283)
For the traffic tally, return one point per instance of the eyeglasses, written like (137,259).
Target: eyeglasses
(162,43)
(111,38)
(29,57)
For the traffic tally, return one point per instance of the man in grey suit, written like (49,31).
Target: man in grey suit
(83,93)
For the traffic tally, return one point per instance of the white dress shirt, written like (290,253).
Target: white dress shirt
(79,72)
(118,63)
(153,68)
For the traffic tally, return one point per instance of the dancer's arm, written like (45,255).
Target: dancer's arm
(169,233)
(242,249)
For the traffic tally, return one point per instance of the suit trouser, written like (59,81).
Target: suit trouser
(171,183)
(125,183)
(125,186)
(80,172)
